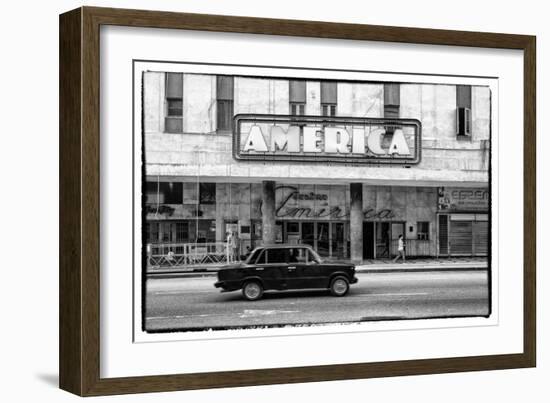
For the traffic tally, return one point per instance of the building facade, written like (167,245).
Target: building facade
(196,191)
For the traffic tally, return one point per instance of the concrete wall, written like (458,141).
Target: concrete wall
(261,95)
(360,100)
(407,204)
(435,107)
(199,103)
(313,98)
(154,104)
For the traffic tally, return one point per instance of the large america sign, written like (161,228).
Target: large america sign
(258,137)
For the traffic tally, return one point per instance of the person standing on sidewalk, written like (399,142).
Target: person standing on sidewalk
(230,246)
(400,249)
(236,246)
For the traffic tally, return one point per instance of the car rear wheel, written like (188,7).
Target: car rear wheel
(252,290)
(339,286)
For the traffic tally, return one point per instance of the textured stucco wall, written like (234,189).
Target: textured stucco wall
(199,103)
(203,152)
(153,99)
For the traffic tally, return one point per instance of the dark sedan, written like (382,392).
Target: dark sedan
(285,267)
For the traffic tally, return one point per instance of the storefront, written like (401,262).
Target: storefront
(189,212)
(463,221)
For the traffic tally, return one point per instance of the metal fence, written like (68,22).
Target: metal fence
(166,255)
(188,254)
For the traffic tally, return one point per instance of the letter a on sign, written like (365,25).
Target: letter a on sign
(399,144)
(255,140)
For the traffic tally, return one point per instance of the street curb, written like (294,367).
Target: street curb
(422,269)
(198,274)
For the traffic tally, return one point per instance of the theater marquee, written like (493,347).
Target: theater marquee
(258,137)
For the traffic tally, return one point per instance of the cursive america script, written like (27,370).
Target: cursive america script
(291,192)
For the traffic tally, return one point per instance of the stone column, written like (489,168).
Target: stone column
(220,211)
(268,212)
(356,222)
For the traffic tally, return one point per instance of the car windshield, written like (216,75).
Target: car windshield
(253,256)
(314,257)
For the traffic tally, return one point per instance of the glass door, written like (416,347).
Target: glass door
(323,244)
(338,241)
(308,233)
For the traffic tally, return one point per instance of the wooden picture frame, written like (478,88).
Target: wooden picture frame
(79,346)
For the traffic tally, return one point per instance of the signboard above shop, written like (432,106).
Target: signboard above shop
(322,139)
(463,199)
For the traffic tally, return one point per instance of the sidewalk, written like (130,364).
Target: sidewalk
(429,264)
(368,266)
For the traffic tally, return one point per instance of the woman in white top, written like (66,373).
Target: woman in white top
(400,249)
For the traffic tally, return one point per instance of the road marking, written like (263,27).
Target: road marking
(249,313)
(390,294)
(204,315)
(180,292)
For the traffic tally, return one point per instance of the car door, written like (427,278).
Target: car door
(301,272)
(313,272)
(293,267)
(273,269)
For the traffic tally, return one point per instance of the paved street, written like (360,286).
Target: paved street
(193,303)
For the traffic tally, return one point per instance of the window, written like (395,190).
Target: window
(164,193)
(297,97)
(464,96)
(391,100)
(277,256)
(206,231)
(166,232)
(297,109)
(175,107)
(423,230)
(463,110)
(152,232)
(293,227)
(207,193)
(298,255)
(174,103)
(328,98)
(224,94)
(182,231)
(261,258)
(254,256)
(391,104)
(328,109)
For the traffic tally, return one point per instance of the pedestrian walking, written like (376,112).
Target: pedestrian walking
(400,249)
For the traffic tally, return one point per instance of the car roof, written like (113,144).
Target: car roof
(279,246)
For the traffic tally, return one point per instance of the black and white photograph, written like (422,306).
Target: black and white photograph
(311,198)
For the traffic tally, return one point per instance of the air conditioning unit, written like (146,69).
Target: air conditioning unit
(463,122)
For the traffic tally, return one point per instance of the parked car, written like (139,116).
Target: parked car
(285,267)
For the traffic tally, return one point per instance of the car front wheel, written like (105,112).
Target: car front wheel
(253,290)
(339,286)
